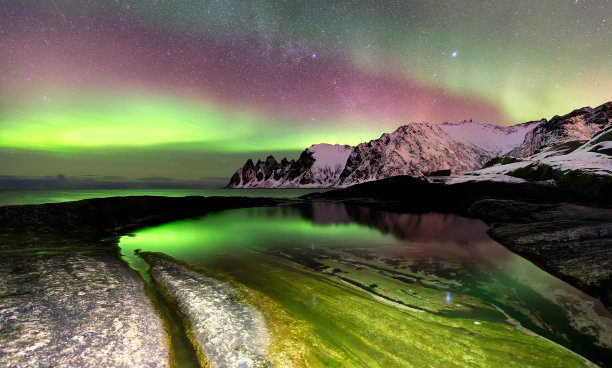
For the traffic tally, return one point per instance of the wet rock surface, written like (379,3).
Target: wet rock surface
(228,332)
(571,241)
(74,304)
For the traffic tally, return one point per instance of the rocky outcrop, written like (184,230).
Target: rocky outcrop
(74,303)
(66,297)
(579,125)
(265,171)
(227,332)
(573,242)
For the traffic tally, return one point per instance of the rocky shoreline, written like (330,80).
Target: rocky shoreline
(69,299)
(571,241)
(114,215)
(74,304)
(66,297)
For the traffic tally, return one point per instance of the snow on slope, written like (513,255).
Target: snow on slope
(330,160)
(601,141)
(414,149)
(587,162)
(330,156)
(579,125)
(585,158)
(492,138)
(464,178)
(590,162)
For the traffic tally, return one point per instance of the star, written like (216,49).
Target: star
(454,54)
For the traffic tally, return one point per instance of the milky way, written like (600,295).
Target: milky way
(85,84)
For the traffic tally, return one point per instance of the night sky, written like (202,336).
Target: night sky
(191,89)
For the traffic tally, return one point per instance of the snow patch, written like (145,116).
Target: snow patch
(493,138)
(475,178)
(330,156)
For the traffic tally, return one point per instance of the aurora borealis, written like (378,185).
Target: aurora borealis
(190,89)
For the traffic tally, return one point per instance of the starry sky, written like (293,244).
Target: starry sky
(188,90)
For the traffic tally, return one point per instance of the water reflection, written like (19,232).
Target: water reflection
(426,236)
(440,263)
(430,227)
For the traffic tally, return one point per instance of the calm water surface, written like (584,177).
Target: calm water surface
(38,196)
(443,264)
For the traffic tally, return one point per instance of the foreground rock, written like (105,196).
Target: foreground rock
(227,332)
(66,298)
(74,304)
(571,241)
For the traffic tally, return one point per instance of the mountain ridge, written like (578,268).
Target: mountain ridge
(318,166)
(417,149)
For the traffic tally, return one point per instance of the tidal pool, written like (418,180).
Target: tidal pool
(350,285)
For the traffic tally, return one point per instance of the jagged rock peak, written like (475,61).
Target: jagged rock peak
(319,165)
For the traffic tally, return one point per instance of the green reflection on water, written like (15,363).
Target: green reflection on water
(441,263)
(237,231)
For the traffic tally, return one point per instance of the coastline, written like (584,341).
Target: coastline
(112,217)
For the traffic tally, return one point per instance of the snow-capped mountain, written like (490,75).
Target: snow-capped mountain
(319,166)
(414,149)
(591,158)
(420,149)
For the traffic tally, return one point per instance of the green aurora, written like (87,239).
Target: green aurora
(190,89)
